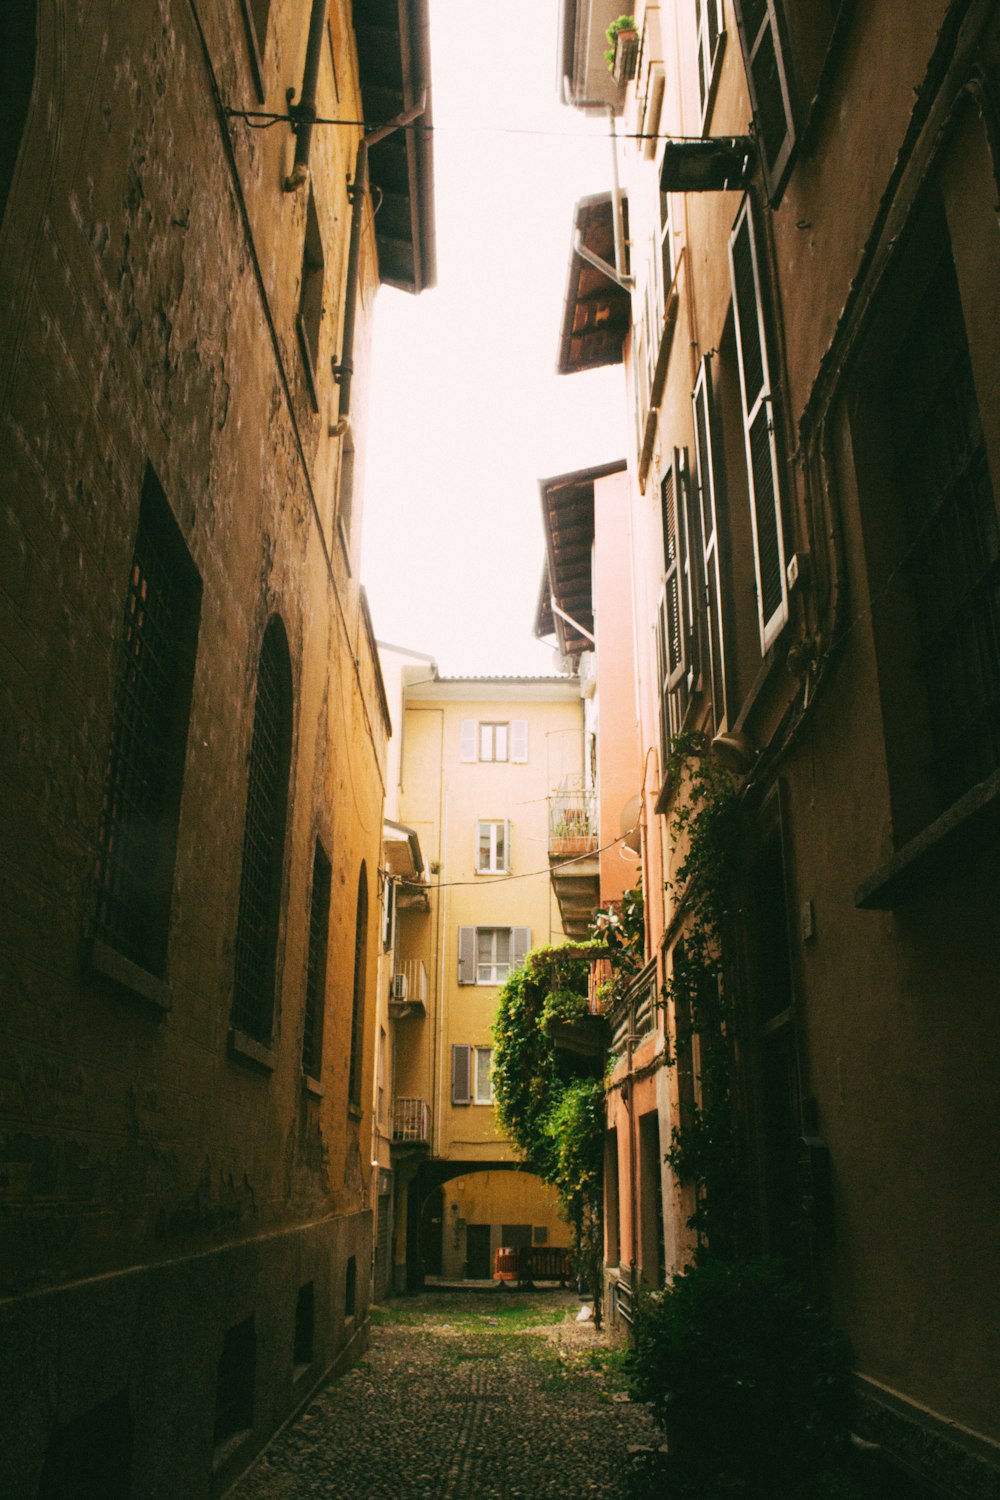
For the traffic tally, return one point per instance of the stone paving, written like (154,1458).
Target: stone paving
(463,1395)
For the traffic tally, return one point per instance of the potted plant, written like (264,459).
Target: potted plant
(623,48)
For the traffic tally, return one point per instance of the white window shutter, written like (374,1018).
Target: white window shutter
(507,863)
(466,955)
(460,1074)
(520,942)
(758,426)
(467,740)
(705,451)
(519,740)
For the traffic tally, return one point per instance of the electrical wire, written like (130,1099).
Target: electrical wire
(262,119)
(444,885)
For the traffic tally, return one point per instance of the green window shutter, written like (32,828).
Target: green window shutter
(767,80)
(758,426)
(708,507)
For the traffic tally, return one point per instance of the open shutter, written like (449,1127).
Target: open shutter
(519,740)
(506,863)
(461,1075)
(466,955)
(709,499)
(708,18)
(767,80)
(758,425)
(520,942)
(467,740)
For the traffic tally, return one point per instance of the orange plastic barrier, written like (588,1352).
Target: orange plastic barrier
(505,1265)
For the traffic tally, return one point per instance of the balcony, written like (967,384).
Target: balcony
(408,988)
(573,858)
(411,1122)
(634,1017)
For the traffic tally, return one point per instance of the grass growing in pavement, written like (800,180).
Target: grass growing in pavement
(503,1312)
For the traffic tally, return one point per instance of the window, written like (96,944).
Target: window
(345,495)
(932,536)
(380,1075)
(18,43)
(471,1074)
(319,926)
(675,621)
(758,427)
(709,506)
(612,1210)
(311,302)
(235,1379)
(711,42)
(767,79)
(264,840)
(351,1287)
(255,14)
(137,836)
(483,1073)
(487,955)
(497,741)
(305,1326)
(493,847)
(358,1001)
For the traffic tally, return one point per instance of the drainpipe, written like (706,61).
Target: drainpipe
(304,113)
(357,193)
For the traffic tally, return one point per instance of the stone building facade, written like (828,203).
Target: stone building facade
(194,725)
(804,291)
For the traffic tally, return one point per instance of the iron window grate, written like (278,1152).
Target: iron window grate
(138,823)
(319,928)
(263,842)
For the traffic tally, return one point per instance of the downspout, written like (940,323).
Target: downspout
(304,113)
(357,193)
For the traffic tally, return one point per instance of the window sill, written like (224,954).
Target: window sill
(968,826)
(312,1087)
(246,1049)
(108,963)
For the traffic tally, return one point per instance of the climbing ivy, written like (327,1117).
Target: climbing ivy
(705,1149)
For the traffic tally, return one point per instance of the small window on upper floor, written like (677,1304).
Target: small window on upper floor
(494,740)
(310,315)
(762,36)
(711,44)
(142,795)
(255,17)
(488,955)
(493,846)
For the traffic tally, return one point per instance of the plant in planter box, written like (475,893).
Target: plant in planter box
(623,23)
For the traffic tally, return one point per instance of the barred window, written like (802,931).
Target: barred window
(319,927)
(138,827)
(264,840)
(358,1000)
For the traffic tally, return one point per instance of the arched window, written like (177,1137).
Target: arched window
(264,840)
(18,46)
(358,1002)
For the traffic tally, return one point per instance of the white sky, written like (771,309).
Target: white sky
(467,413)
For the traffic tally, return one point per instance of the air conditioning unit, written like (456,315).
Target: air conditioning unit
(398,987)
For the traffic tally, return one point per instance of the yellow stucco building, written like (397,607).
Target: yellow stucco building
(479,768)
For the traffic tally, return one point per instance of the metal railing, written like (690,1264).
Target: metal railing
(634,1016)
(411,1121)
(572,822)
(409,980)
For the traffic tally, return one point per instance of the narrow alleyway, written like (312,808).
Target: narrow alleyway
(464,1395)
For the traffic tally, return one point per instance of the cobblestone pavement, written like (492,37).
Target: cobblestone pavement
(461,1396)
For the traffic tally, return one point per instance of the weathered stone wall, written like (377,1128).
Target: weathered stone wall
(150,269)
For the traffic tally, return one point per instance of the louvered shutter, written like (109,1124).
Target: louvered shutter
(758,424)
(466,955)
(520,942)
(461,1074)
(519,740)
(467,740)
(708,18)
(767,80)
(673,607)
(709,501)
(505,862)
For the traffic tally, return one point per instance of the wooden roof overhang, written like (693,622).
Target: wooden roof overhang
(597,311)
(394,66)
(568,519)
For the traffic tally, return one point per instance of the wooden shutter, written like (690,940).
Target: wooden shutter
(466,955)
(767,80)
(461,1073)
(708,18)
(520,942)
(506,863)
(519,740)
(709,501)
(467,740)
(758,426)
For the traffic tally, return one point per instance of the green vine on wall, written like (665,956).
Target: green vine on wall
(705,1150)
